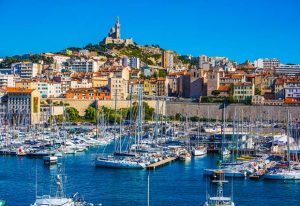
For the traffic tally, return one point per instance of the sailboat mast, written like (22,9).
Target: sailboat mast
(115,120)
(223,133)
(120,132)
(140,113)
(288,139)
(97,119)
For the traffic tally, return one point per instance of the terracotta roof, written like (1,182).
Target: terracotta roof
(87,90)
(17,90)
(237,76)
(161,79)
(290,100)
(224,88)
(179,73)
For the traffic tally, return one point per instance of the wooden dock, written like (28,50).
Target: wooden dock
(161,163)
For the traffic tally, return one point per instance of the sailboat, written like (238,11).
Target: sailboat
(289,173)
(230,169)
(219,199)
(60,198)
(125,162)
(199,150)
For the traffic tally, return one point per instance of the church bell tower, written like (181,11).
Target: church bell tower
(118,29)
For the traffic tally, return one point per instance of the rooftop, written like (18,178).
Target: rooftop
(17,90)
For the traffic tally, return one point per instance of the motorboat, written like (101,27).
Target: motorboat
(218,178)
(199,151)
(121,163)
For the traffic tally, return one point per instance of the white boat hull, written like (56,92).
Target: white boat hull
(121,164)
(288,175)
(51,201)
(199,152)
(227,173)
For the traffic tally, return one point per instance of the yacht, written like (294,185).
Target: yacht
(121,163)
(199,151)
(289,173)
(219,200)
(228,172)
(59,199)
(283,175)
(185,155)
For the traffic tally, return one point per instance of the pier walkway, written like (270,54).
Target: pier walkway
(161,163)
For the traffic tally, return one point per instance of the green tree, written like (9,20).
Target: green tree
(8,61)
(72,114)
(215,92)
(90,114)
(257,91)
(148,111)
(194,119)
(155,74)
(162,73)
(56,119)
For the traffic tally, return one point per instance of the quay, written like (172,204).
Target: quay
(236,151)
(161,163)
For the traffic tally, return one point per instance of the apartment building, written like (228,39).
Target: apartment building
(101,93)
(8,80)
(167,59)
(266,63)
(23,105)
(83,65)
(243,91)
(26,70)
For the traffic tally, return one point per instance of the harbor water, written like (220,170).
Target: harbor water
(178,183)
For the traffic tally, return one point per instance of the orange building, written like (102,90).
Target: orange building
(101,93)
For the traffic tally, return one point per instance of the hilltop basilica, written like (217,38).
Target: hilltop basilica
(114,35)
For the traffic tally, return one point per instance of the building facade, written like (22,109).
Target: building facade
(23,105)
(167,59)
(84,65)
(266,63)
(101,93)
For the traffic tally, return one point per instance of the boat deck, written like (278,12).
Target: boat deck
(161,163)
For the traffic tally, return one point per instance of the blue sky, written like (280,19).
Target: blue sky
(239,29)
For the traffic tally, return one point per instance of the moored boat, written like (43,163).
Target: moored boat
(199,151)
(113,162)
(50,159)
(218,178)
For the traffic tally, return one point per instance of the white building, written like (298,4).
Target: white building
(118,88)
(266,63)
(49,89)
(84,65)
(58,59)
(8,80)
(84,52)
(288,69)
(133,62)
(202,60)
(292,90)
(26,70)
(83,83)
